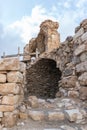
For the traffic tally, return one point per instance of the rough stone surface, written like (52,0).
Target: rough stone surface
(9,64)
(6,108)
(82,67)
(56,116)
(9,88)
(73,115)
(37,115)
(80,49)
(11,100)
(33,101)
(83,79)
(2,78)
(83,93)
(14,77)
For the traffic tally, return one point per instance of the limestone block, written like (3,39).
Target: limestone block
(2,78)
(10,120)
(3,72)
(83,93)
(83,79)
(22,67)
(81,67)
(54,116)
(73,115)
(78,33)
(33,101)
(69,82)
(84,127)
(9,64)
(73,94)
(66,127)
(37,115)
(6,108)
(1,114)
(11,100)
(83,56)
(9,88)
(14,77)
(80,49)
(84,37)
(23,115)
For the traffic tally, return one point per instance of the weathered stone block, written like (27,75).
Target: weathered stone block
(33,101)
(54,116)
(81,67)
(9,88)
(11,100)
(80,49)
(83,93)
(2,78)
(15,77)
(23,115)
(73,115)
(84,37)
(78,33)
(37,115)
(9,64)
(1,114)
(73,94)
(69,82)
(9,121)
(83,79)
(6,108)
(83,56)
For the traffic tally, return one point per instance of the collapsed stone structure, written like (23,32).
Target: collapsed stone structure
(70,57)
(60,71)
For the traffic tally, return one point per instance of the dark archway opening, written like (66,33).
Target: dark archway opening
(42,79)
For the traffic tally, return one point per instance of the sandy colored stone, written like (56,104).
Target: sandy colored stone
(23,115)
(73,94)
(81,67)
(83,93)
(2,78)
(78,33)
(14,77)
(6,108)
(37,115)
(1,114)
(9,88)
(33,101)
(73,115)
(11,100)
(9,64)
(83,79)
(69,82)
(55,116)
(84,37)
(9,121)
(80,49)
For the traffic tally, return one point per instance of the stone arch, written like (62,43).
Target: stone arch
(42,78)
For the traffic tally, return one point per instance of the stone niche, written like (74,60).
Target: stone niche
(42,79)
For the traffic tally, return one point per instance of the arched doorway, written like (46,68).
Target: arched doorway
(42,79)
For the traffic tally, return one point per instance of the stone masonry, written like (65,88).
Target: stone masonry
(11,90)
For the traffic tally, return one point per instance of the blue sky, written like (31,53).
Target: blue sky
(20,19)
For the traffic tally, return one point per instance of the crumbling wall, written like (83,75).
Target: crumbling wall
(11,90)
(47,40)
(71,58)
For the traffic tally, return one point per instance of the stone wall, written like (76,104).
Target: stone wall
(71,59)
(11,90)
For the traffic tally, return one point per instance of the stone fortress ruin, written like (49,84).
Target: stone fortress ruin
(55,80)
